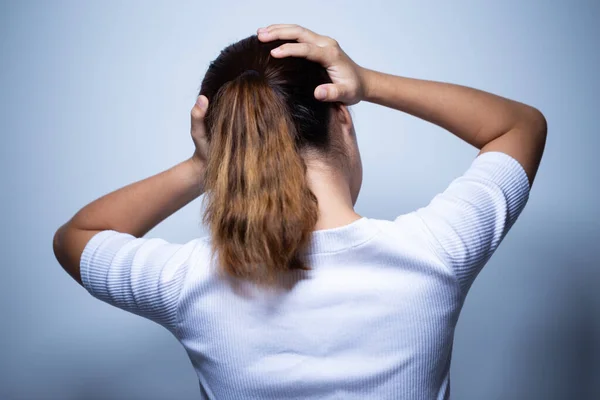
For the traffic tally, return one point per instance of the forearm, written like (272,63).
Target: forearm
(140,206)
(473,115)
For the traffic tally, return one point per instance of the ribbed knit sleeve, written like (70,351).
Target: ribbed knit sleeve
(468,221)
(140,275)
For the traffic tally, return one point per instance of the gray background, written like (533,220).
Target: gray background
(96,95)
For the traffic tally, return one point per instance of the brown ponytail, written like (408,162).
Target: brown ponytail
(260,209)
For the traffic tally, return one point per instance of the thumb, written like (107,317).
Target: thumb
(329,92)
(199,109)
(198,113)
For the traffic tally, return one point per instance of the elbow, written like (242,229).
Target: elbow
(536,122)
(540,130)
(57,244)
(532,122)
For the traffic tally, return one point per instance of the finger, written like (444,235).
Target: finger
(279,26)
(199,109)
(304,50)
(293,32)
(329,92)
(273,26)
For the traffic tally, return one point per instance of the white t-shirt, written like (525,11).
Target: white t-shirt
(373,319)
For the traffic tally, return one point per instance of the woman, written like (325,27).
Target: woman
(305,298)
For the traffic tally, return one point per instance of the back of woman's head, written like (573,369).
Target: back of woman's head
(262,118)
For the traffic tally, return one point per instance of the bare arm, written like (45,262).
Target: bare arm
(484,120)
(137,207)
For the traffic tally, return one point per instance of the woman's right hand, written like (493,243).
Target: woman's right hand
(348,79)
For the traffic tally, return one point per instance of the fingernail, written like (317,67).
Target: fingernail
(261,30)
(320,93)
(276,50)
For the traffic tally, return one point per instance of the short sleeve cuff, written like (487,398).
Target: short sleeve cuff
(507,173)
(94,265)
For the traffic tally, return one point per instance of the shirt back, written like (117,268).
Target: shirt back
(373,318)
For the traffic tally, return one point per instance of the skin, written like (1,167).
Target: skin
(484,120)
(337,189)
(138,207)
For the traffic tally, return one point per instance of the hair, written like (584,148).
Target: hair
(262,117)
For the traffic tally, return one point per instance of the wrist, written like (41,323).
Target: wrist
(196,168)
(366,77)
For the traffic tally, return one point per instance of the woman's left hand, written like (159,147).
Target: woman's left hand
(198,130)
